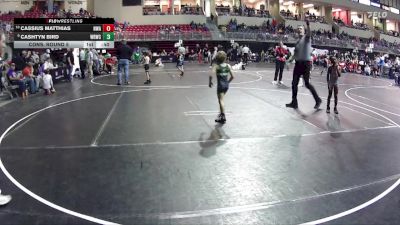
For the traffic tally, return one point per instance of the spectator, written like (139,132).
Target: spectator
(16,79)
(82,62)
(89,62)
(96,61)
(48,65)
(281,54)
(70,63)
(45,56)
(367,70)
(124,55)
(29,78)
(110,63)
(19,62)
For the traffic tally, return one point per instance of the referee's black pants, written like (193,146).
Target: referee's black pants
(302,68)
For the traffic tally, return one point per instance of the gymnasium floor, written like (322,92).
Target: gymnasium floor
(97,152)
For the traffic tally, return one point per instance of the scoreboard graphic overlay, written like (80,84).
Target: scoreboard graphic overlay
(63,33)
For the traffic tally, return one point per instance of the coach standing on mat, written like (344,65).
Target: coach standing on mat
(4,199)
(281,53)
(124,54)
(302,55)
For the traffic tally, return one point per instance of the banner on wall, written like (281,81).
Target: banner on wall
(131,2)
(316,51)
(152,2)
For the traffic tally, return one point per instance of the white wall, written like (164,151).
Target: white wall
(391,26)
(224,2)
(292,8)
(312,10)
(14,5)
(167,19)
(390,38)
(250,21)
(69,4)
(134,14)
(110,9)
(313,26)
(355,18)
(357,33)
(355,6)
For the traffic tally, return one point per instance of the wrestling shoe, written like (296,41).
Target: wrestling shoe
(318,104)
(336,111)
(293,105)
(221,119)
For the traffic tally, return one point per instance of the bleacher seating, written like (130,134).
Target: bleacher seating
(155,28)
(8,17)
(163,32)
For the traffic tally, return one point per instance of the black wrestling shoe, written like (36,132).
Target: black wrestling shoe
(292,105)
(221,119)
(147,82)
(336,111)
(328,110)
(318,104)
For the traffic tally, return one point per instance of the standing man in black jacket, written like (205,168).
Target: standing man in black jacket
(124,55)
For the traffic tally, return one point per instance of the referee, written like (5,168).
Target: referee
(302,55)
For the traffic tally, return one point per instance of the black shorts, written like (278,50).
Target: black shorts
(222,88)
(146,67)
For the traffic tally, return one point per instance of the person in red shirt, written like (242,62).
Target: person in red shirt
(274,23)
(110,63)
(29,78)
(281,53)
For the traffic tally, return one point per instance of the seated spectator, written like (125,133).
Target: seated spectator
(158,63)
(110,63)
(17,79)
(19,61)
(30,79)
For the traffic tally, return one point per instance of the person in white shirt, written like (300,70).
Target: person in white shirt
(147,67)
(89,61)
(48,64)
(367,70)
(8,28)
(82,62)
(245,54)
(397,61)
(47,85)
(96,61)
(158,63)
(35,58)
(213,56)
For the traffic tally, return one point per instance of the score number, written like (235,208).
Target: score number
(108,27)
(108,32)
(108,36)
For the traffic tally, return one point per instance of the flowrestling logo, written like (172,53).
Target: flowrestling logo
(379,15)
